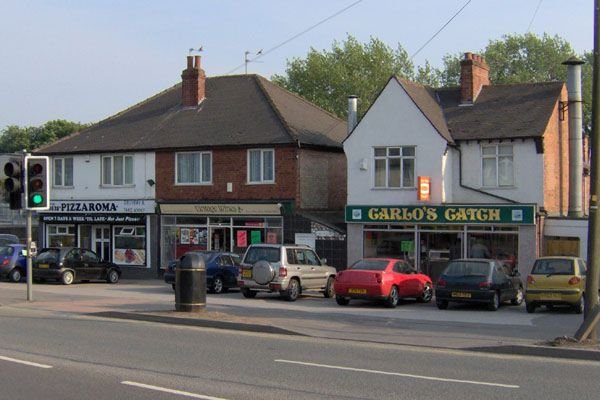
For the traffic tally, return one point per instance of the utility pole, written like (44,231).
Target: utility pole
(593,255)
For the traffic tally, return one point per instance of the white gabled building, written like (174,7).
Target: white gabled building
(433,171)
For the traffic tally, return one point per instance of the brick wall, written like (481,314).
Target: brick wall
(230,165)
(323,182)
(556,162)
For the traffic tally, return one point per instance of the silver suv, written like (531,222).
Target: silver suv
(287,269)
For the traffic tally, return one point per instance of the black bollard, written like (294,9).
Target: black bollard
(190,283)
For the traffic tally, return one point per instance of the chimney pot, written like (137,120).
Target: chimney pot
(474,74)
(196,62)
(193,82)
(190,62)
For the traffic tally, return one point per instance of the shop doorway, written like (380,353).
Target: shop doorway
(220,239)
(101,241)
(436,249)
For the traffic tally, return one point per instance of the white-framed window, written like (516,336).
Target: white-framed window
(117,170)
(193,168)
(63,172)
(130,245)
(261,166)
(497,165)
(394,167)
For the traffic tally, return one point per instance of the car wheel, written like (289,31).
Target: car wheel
(329,288)
(518,299)
(15,275)
(580,305)
(427,294)
(392,300)
(495,303)
(67,277)
(441,304)
(112,276)
(293,290)
(342,301)
(217,286)
(530,307)
(249,294)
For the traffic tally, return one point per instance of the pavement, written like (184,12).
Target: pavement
(507,331)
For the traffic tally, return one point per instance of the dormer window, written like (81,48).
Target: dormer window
(497,165)
(394,167)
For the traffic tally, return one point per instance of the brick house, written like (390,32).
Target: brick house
(433,171)
(210,163)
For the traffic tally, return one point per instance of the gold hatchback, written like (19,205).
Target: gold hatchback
(556,280)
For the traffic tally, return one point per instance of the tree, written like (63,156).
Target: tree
(14,138)
(327,78)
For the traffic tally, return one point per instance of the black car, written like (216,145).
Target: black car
(478,280)
(222,270)
(68,264)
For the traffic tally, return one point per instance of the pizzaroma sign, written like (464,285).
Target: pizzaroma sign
(450,214)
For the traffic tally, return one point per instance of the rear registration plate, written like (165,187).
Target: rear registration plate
(550,296)
(462,295)
(42,265)
(246,273)
(357,291)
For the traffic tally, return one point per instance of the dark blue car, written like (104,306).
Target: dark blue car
(13,261)
(222,270)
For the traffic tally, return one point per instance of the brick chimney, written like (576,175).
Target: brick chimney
(474,73)
(193,81)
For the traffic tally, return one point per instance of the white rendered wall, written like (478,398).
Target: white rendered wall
(528,167)
(393,120)
(87,180)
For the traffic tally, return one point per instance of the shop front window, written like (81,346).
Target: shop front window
(390,244)
(61,235)
(496,245)
(130,245)
(191,238)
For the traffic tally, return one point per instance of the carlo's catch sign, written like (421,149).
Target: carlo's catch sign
(448,214)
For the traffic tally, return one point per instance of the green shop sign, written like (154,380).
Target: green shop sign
(449,214)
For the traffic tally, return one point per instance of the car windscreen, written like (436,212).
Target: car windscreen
(6,251)
(467,268)
(553,267)
(48,256)
(370,265)
(254,254)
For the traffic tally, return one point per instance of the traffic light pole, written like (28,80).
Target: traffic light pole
(29,262)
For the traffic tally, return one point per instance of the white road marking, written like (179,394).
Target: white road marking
(430,378)
(31,364)
(172,391)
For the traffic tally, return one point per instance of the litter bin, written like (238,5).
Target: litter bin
(190,283)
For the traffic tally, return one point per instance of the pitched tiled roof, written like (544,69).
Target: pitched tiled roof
(501,111)
(243,110)
(425,98)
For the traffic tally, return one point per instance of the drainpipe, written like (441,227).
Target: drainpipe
(460,181)
(575,137)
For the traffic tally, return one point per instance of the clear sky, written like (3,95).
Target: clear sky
(85,60)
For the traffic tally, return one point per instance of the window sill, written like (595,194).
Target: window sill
(394,188)
(261,183)
(194,184)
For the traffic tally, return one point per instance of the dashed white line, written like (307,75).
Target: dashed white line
(172,391)
(31,364)
(430,378)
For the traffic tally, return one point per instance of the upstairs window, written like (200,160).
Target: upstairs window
(117,170)
(194,168)
(261,166)
(497,165)
(63,172)
(394,167)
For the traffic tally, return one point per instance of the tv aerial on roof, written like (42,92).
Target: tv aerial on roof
(199,49)
(249,60)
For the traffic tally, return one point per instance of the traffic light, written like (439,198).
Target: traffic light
(37,185)
(13,184)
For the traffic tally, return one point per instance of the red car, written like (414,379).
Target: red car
(386,279)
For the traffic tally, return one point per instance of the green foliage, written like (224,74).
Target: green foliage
(327,78)
(15,138)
